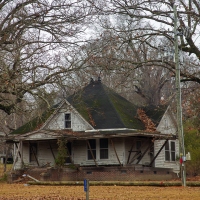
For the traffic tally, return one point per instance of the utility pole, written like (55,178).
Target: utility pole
(179,105)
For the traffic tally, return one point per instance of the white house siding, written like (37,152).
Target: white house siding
(128,144)
(166,125)
(42,136)
(144,144)
(77,122)
(25,154)
(44,154)
(80,153)
(160,160)
(119,147)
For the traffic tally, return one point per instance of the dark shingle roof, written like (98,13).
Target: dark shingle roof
(104,109)
(155,113)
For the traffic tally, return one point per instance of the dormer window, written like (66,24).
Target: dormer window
(67,120)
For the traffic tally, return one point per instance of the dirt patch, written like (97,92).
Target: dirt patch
(35,192)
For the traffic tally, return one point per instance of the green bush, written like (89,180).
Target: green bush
(62,152)
(192,145)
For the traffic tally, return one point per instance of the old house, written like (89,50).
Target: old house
(108,138)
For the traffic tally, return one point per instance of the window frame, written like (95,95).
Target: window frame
(170,151)
(67,120)
(97,150)
(103,148)
(93,149)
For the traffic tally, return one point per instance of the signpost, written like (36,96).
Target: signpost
(86,188)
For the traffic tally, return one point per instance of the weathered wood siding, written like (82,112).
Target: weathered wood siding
(42,136)
(80,153)
(129,142)
(160,160)
(77,122)
(167,125)
(44,154)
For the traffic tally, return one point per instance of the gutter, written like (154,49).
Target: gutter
(114,129)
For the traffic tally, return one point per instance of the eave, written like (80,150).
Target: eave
(91,134)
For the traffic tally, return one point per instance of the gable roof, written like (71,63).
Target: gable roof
(105,109)
(102,108)
(155,113)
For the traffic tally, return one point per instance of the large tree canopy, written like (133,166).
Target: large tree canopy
(39,44)
(154,21)
(34,35)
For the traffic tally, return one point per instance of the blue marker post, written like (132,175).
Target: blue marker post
(86,188)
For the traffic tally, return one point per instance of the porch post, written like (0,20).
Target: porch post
(31,148)
(16,155)
(135,156)
(70,157)
(17,148)
(51,150)
(92,153)
(150,145)
(22,161)
(158,153)
(113,145)
(129,155)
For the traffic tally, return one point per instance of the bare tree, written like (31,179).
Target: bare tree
(126,65)
(156,22)
(120,67)
(33,36)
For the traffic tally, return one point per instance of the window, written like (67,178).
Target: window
(173,151)
(99,148)
(104,148)
(33,151)
(69,152)
(167,152)
(170,151)
(67,120)
(92,144)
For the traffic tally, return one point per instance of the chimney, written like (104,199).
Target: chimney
(91,80)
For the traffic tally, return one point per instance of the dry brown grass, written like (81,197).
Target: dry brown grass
(8,168)
(23,191)
(35,192)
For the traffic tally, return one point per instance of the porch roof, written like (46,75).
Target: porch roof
(89,134)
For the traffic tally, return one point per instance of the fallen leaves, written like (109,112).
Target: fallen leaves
(36,192)
(149,125)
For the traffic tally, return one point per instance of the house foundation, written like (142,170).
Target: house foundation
(111,173)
